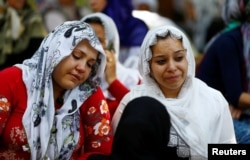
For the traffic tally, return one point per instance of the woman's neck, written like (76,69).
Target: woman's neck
(171,93)
(58,93)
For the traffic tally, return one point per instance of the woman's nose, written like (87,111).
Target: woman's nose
(81,67)
(171,65)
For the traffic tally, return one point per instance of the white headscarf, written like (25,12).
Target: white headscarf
(50,133)
(199,114)
(128,76)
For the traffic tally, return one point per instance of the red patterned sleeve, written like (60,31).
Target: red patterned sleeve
(13,100)
(4,112)
(96,119)
(5,96)
(118,93)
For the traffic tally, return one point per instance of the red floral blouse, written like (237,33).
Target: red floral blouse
(95,128)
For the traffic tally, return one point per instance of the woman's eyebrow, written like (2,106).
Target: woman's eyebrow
(177,51)
(180,50)
(158,56)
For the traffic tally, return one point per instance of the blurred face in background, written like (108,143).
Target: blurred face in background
(190,10)
(97,5)
(67,2)
(16,4)
(144,7)
(99,29)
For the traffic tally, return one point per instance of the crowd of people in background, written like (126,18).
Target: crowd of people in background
(21,31)
(116,74)
(199,19)
(85,64)
(226,64)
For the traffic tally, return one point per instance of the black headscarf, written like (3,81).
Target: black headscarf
(142,133)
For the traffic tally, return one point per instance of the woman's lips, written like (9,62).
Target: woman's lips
(75,76)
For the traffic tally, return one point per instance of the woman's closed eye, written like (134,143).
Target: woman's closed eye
(76,55)
(91,63)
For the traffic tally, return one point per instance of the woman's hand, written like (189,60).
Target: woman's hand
(110,70)
(235,112)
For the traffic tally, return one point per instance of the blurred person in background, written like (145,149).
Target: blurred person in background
(117,80)
(56,12)
(146,5)
(194,17)
(131,30)
(226,64)
(147,10)
(21,31)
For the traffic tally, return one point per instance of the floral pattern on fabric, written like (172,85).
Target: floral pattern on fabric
(10,155)
(99,128)
(17,135)
(13,144)
(4,104)
(4,111)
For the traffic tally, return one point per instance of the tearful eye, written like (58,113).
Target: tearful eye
(178,59)
(163,61)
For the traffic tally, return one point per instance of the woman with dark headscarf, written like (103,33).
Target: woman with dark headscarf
(143,132)
(226,64)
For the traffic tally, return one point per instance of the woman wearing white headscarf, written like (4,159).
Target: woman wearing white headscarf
(199,114)
(51,106)
(118,79)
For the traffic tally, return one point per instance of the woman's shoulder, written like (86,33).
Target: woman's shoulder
(142,90)
(230,36)
(11,73)
(11,77)
(207,91)
(96,95)
(12,84)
